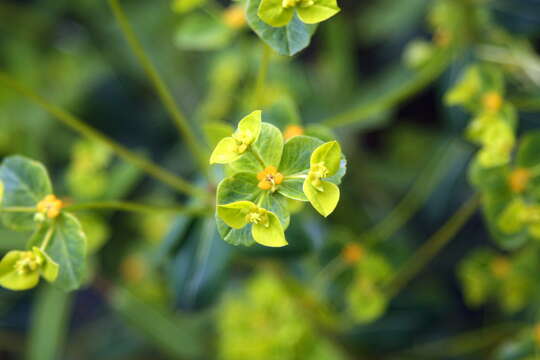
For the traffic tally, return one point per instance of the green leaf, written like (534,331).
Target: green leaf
(10,278)
(215,131)
(528,154)
(269,147)
(297,153)
(68,249)
(287,40)
(323,201)
(293,189)
(202,32)
(272,234)
(274,14)
(330,155)
(234,214)
(225,152)
(49,269)
(240,186)
(321,10)
(26,183)
(277,204)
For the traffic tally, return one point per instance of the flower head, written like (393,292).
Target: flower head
(20,270)
(50,206)
(279,13)
(269,178)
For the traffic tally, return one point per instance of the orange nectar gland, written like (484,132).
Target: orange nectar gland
(269,178)
(50,206)
(234,17)
(500,267)
(352,253)
(292,131)
(492,101)
(518,179)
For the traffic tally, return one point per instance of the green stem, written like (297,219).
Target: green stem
(257,156)
(79,126)
(162,90)
(48,237)
(261,76)
(432,246)
(15,209)
(134,207)
(413,200)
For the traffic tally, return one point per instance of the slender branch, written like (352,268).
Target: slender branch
(257,156)
(82,128)
(15,209)
(432,246)
(135,207)
(48,237)
(162,90)
(413,200)
(261,76)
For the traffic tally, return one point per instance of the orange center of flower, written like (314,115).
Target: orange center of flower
(50,206)
(518,180)
(500,267)
(352,253)
(269,178)
(492,101)
(292,131)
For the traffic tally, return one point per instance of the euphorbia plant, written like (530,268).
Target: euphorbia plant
(264,171)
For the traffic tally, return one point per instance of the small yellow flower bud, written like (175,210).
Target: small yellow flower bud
(519,179)
(500,267)
(492,101)
(50,206)
(258,216)
(234,17)
(292,131)
(352,253)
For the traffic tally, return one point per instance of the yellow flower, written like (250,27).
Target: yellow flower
(269,178)
(50,206)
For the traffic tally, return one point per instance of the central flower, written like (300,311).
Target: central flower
(50,206)
(269,178)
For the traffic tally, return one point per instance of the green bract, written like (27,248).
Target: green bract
(279,13)
(58,244)
(231,148)
(265,226)
(271,173)
(20,270)
(324,163)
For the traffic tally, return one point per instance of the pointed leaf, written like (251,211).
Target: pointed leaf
(49,269)
(225,152)
(277,204)
(323,201)
(321,10)
(269,147)
(330,154)
(296,154)
(287,40)
(68,249)
(26,183)
(252,124)
(234,214)
(271,235)
(11,279)
(274,14)
(293,189)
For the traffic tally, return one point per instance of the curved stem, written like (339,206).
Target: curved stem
(47,237)
(261,76)
(79,126)
(162,90)
(432,246)
(15,209)
(257,156)
(135,207)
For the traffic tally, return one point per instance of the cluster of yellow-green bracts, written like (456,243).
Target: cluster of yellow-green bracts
(265,174)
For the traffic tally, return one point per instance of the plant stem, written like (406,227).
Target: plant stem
(134,207)
(48,237)
(161,88)
(79,126)
(14,209)
(261,76)
(257,156)
(432,246)
(425,183)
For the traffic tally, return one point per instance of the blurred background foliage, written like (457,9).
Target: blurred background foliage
(165,286)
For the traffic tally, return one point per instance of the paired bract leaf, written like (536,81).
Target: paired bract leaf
(279,13)
(21,270)
(287,40)
(26,183)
